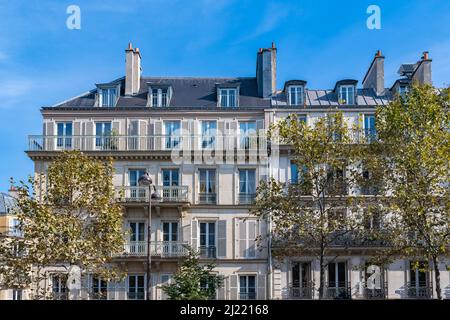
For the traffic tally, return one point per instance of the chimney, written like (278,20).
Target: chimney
(266,71)
(132,70)
(423,71)
(13,192)
(374,77)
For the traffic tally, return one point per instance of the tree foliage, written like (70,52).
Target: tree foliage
(68,217)
(193,281)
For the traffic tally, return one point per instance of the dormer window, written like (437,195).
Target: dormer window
(108,97)
(347,94)
(403,90)
(295,95)
(228,97)
(160,97)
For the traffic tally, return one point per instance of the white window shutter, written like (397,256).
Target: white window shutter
(221,239)
(76,135)
(50,131)
(261,283)
(185,134)
(243,237)
(158,135)
(186,233)
(117,142)
(233,287)
(251,238)
(194,235)
(142,135)
(220,135)
(236,237)
(221,292)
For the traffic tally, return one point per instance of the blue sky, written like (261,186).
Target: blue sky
(42,62)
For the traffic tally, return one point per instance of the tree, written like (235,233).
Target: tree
(193,281)
(414,133)
(71,220)
(315,214)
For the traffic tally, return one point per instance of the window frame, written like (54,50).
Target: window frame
(247,276)
(345,101)
(109,103)
(226,93)
(299,96)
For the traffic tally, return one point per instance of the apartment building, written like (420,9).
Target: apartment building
(202,141)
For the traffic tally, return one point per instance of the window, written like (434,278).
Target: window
(247,287)
(403,90)
(419,286)
(172,134)
(247,132)
(301,280)
(337,280)
(17,294)
(369,127)
(165,279)
(170,177)
(247,185)
(137,244)
(372,219)
(301,118)
(103,135)
(247,238)
(347,95)
(207,186)
(136,192)
(208,239)
(228,98)
(108,97)
(160,97)
(170,238)
(64,132)
(59,289)
(136,287)
(208,134)
(296,95)
(99,289)
(294,173)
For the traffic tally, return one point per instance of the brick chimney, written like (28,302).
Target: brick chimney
(266,71)
(423,71)
(374,77)
(132,70)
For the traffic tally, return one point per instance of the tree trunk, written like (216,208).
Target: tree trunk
(321,278)
(437,277)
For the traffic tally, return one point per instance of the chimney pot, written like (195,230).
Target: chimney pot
(273,45)
(378,54)
(130,46)
(425,55)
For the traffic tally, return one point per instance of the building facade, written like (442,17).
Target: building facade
(203,143)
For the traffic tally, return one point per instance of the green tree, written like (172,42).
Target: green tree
(414,134)
(67,218)
(315,214)
(193,281)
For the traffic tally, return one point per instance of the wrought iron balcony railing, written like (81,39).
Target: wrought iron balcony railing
(163,249)
(302,292)
(246,198)
(419,291)
(207,198)
(339,291)
(376,293)
(146,143)
(207,252)
(140,194)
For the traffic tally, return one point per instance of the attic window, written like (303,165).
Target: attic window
(347,94)
(108,97)
(295,94)
(160,97)
(228,97)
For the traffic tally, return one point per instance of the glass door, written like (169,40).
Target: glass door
(64,132)
(170,238)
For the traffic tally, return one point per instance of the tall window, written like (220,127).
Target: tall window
(136,287)
(170,177)
(247,238)
(160,97)
(228,98)
(208,239)
(209,134)
(337,280)
(155,98)
(296,95)
(108,97)
(137,243)
(17,294)
(247,132)
(369,127)
(99,289)
(172,134)
(247,185)
(136,192)
(170,238)
(103,135)
(247,287)
(164,97)
(207,186)
(347,95)
(59,289)
(418,280)
(301,280)
(64,131)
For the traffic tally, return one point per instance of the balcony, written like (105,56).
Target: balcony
(163,249)
(304,292)
(376,293)
(207,198)
(419,291)
(341,291)
(246,198)
(169,194)
(207,252)
(146,143)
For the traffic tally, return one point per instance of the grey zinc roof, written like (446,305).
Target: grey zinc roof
(7,203)
(187,92)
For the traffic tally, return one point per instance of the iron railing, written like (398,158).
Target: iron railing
(207,252)
(376,293)
(140,194)
(207,198)
(146,143)
(246,198)
(302,292)
(340,291)
(419,291)
(163,249)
